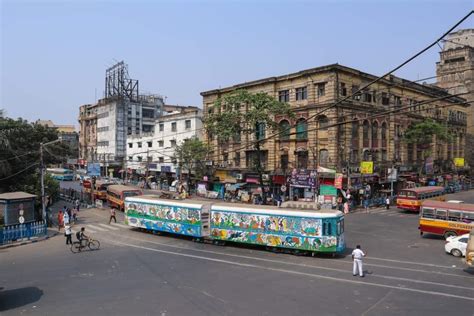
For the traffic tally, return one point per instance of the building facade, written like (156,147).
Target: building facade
(367,126)
(67,133)
(88,132)
(455,72)
(153,152)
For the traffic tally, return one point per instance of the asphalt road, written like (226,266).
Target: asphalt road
(137,273)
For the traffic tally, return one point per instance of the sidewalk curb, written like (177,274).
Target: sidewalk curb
(31,241)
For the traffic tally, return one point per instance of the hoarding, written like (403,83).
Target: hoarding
(459,162)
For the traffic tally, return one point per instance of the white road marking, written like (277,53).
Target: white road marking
(87,230)
(297,264)
(109,226)
(120,225)
(400,288)
(97,228)
(410,262)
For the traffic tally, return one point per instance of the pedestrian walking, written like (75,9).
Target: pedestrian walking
(78,204)
(60,220)
(66,218)
(366,205)
(68,234)
(74,215)
(69,212)
(112,215)
(346,207)
(357,255)
(387,202)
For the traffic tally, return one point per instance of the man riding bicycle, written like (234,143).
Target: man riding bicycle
(81,236)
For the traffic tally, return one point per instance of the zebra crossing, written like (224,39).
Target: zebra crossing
(393,212)
(101,228)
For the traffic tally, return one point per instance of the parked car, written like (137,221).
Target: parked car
(457,245)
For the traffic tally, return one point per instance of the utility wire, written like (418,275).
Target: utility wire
(10,176)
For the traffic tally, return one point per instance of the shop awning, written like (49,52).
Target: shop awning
(325,170)
(236,186)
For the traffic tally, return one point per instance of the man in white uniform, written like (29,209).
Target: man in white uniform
(357,256)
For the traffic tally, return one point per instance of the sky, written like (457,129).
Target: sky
(54,53)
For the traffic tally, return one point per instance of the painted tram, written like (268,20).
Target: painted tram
(298,230)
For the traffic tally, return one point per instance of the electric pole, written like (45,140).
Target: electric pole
(43,204)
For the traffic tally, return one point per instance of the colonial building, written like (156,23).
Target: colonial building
(153,152)
(455,72)
(88,132)
(318,137)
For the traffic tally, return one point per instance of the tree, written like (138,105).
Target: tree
(19,156)
(244,113)
(421,134)
(191,156)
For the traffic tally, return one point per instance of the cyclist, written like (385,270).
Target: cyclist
(81,236)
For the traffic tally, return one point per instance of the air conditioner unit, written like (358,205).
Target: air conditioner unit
(265,177)
(239,176)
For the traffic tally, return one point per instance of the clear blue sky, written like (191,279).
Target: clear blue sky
(54,54)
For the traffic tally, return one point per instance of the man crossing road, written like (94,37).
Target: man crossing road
(357,256)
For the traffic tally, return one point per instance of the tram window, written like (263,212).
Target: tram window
(441,214)
(454,216)
(324,228)
(328,227)
(428,213)
(340,227)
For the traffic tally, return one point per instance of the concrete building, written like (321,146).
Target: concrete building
(65,132)
(319,142)
(88,132)
(123,111)
(455,72)
(153,151)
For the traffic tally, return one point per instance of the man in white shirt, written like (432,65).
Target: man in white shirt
(357,256)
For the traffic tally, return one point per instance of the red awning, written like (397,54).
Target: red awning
(278,179)
(252,180)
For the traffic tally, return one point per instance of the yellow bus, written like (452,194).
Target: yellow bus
(411,199)
(117,193)
(446,219)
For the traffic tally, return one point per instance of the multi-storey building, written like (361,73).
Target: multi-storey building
(455,72)
(154,151)
(106,125)
(67,133)
(366,126)
(88,132)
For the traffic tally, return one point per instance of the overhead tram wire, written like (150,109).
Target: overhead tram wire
(383,76)
(400,110)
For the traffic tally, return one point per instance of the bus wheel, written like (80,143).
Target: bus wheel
(449,234)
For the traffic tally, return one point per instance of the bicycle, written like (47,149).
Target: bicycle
(92,244)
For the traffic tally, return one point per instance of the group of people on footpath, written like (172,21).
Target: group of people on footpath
(66,217)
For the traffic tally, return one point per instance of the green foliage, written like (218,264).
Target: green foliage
(243,112)
(191,156)
(423,132)
(19,149)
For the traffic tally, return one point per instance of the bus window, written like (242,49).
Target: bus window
(468,217)
(428,213)
(402,194)
(454,216)
(411,194)
(441,214)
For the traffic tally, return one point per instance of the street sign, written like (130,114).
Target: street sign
(283,188)
(392,174)
(21,219)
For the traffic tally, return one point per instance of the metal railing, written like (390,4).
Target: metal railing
(17,232)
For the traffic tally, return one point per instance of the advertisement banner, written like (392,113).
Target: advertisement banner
(459,162)
(367,167)
(338,181)
(327,190)
(303,177)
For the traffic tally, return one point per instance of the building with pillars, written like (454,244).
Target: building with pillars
(88,132)
(455,73)
(317,140)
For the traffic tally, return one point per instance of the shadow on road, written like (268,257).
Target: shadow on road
(15,298)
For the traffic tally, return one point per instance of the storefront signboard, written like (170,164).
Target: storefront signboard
(459,162)
(338,181)
(367,167)
(327,190)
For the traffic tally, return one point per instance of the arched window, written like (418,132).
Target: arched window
(323,122)
(365,133)
(285,128)
(375,131)
(323,157)
(383,134)
(301,129)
